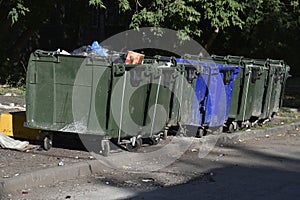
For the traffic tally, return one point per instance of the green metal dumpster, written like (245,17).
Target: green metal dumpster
(283,81)
(88,96)
(281,75)
(160,97)
(278,73)
(50,84)
(248,90)
(130,89)
(60,90)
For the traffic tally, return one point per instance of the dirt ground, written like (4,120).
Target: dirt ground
(250,169)
(11,104)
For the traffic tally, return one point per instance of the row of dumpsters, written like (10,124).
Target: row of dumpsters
(131,103)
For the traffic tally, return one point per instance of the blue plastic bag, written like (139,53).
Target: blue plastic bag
(97,48)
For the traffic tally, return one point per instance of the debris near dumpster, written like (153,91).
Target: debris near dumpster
(10,143)
(12,106)
(134,58)
(94,49)
(63,52)
(97,50)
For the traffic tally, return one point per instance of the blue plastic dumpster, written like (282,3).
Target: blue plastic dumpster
(212,95)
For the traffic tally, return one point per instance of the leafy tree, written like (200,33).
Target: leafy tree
(256,28)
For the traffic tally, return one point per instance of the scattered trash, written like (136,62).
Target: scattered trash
(194,150)
(221,155)
(148,180)
(267,136)
(76,157)
(280,135)
(25,191)
(17,174)
(107,183)
(68,197)
(10,94)
(91,157)
(7,142)
(61,163)
(125,167)
(12,107)
(240,140)
(248,130)
(63,52)
(130,182)
(5,176)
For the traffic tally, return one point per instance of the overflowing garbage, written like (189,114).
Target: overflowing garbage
(95,49)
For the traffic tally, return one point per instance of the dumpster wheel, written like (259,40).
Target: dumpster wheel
(165,134)
(137,145)
(105,147)
(232,127)
(153,140)
(47,143)
(200,132)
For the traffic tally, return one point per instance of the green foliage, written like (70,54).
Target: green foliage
(18,10)
(253,28)
(124,5)
(96,3)
(189,17)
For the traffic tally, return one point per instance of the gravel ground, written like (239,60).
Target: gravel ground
(11,104)
(242,170)
(14,163)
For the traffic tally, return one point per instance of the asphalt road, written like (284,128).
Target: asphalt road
(260,168)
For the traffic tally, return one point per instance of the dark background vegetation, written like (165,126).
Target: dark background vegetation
(256,29)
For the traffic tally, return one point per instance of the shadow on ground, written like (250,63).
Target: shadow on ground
(260,176)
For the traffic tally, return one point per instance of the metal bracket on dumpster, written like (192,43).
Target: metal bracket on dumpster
(119,69)
(234,59)
(149,70)
(53,55)
(256,73)
(180,68)
(227,76)
(190,74)
(157,73)
(199,69)
(136,76)
(168,77)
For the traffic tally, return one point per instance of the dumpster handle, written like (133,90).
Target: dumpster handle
(271,85)
(122,102)
(155,105)
(248,80)
(135,77)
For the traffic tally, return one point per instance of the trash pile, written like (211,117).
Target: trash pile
(10,143)
(96,49)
